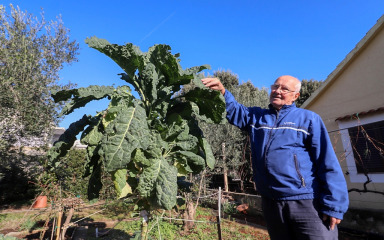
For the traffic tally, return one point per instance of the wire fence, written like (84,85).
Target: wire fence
(215,196)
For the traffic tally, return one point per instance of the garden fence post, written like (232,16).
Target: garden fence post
(53,228)
(219,215)
(60,214)
(219,202)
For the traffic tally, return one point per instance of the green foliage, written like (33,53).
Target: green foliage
(229,144)
(121,185)
(229,207)
(70,174)
(29,224)
(173,230)
(2,237)
(130,227)
(120,209)
(17,172)
(70,179)
(144,143)
(307,88)
(166,229)
(32,52)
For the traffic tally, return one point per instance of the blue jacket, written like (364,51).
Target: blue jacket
(292,155)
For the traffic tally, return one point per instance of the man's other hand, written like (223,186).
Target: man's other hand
(331,220)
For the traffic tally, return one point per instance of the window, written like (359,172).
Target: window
(363,143)
(367,142)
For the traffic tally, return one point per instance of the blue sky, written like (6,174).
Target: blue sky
(258,40)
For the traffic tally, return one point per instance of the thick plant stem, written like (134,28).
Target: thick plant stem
(144,229)
(144,225)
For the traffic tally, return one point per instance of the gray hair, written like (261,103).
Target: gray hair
(298,87)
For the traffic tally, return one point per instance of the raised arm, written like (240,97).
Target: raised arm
(237,114)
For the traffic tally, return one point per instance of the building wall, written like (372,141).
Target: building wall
(357,88)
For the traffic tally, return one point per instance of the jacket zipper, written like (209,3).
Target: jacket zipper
(269,137)
(267,145)
(298,171)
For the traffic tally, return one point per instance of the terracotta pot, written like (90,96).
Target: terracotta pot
(41,202)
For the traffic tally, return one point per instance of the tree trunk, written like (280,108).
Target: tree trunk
(189,215)
(226,179)
(225,173)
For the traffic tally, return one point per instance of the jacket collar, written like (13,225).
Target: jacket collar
(284,108)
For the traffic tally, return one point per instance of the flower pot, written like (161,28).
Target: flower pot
(41,202)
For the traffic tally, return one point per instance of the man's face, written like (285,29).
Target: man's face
(283,92)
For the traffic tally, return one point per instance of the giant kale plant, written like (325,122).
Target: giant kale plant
(146,142)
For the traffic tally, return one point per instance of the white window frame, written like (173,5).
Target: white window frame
(354,176)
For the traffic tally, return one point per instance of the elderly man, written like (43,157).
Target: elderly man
(304,193)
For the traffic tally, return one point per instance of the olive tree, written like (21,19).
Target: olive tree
(307,88)
(32,52)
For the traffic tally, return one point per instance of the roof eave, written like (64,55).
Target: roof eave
(347,60)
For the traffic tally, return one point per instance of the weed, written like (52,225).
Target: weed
(229,208)
(2,237)
(129,227)
(29,224)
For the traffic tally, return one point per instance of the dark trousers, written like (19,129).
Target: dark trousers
(296,219)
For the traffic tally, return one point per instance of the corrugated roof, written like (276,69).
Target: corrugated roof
(355,115)
(347,60)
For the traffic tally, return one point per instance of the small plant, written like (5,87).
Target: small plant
(2,237)
(29,224)
(229,208)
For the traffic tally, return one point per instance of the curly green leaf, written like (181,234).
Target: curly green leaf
(119,179)
(81,96)
(66,141)
(158,183)
(127,132)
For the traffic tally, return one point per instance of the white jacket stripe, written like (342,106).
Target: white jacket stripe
(277,128)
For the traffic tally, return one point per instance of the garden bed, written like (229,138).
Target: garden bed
(115,223)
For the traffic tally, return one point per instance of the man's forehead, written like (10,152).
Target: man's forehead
(286,80)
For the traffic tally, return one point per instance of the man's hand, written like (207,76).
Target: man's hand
(214,83)
(331,220)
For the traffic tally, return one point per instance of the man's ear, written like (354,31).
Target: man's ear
(297,95)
